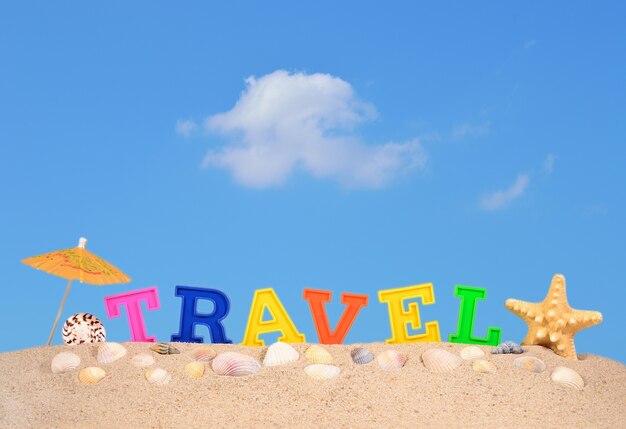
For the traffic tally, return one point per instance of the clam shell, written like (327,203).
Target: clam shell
(194,369)
(391,360)
(204,354)
(164,349)
(110,352)
(280,353)
(530,363)
(507,347)
(439,360)
(142,360)
(158,376)
(471,352)
(83,328)
(91,375)
(484,366)
(318,354)
(567,377)
(361,356)
(64,362)
(320,371)
(235,364)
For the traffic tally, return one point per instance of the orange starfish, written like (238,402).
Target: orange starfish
(553,323)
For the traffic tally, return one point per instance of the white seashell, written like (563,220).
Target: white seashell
(142,361)
(158,376)
(318,354)
(361,356)
(65,362)
(280,353)
(91,375)
(194,369)
(235,364)
(110,352)
(83,328)
(439,360)
(567,377)
(204,354)
(484,366)
(391,360)
(320,371)
(471,352)
(530,363)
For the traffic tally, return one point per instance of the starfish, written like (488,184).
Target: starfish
(553,323)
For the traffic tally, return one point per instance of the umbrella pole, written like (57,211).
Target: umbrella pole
(56,321)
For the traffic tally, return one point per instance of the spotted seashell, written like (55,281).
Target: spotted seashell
(530,363)
(439,360)
(204,354)
(484,366)
(235,364)
(164,349)
(391,360)
(361,356)
(320,371)
(142,360)
(280,353)
(567,377)
(83,328)
(91,375)
(158,376)
(64,362)
(318,354)
(110,352)
(508,347)
(471,352)
(194,369)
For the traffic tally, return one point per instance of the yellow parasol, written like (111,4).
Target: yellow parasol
(76,263)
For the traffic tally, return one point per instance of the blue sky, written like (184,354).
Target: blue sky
(351,148)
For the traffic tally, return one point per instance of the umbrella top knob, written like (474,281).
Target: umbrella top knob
(82,242)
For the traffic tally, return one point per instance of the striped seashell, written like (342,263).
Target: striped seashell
(83,328)
(91,375)
(320,371)
(530,363)
(158,376)
(164,349)
(507,347)
(361,356)
(471,352)
(391,360)
(567,377)
(204,354)
(194,369)
(439,360)
(142,360)
(64,362)
(235,364)
(280,353)
(110,352)
(484,366)
(318,354)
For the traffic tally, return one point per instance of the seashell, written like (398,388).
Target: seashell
(508,347)
(235,364)
(64,362)
(484,366)
(204,354)
(158,376)
(390,360)
(471,352)
(83,328)
(142,360)
(91,375)
(530,363)
(320,371)
(280,353)
(567,377)
(439,360)
(110,352)
(318,354)
(194,369)
(361,356)
(164,349)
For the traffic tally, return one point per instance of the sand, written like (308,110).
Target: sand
(362,396)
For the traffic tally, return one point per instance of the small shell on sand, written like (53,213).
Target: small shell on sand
(391,360)
(471,352)
(142,360)
(484,366)
(530,363)
(91,375)
(235,364)
(280,353)
(567,377)
(194,369)
(320,371)
(110,352)
(204,354)
(361,356)
(318,354)
(164,349)
(158,376)
(507,347)
(64,362)
(439,360)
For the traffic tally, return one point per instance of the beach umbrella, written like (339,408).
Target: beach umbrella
(79,264)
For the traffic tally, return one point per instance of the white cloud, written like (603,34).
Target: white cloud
(467,129)
(286,122)
(185,127)
(500,199)
(548,164)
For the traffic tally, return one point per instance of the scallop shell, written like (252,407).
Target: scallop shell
(91,375)
(65,362)
(142,360)
(318,354)
(164,349)
(471,352)
(508,347)
(83,328)
(235,364)
(280,353)
(158,376)
(110,352)
(320,371)
(204,354)
(391,360)
(530,363)
(439,360)
(567,377)
(484,366)
(361,356)
(194,369)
